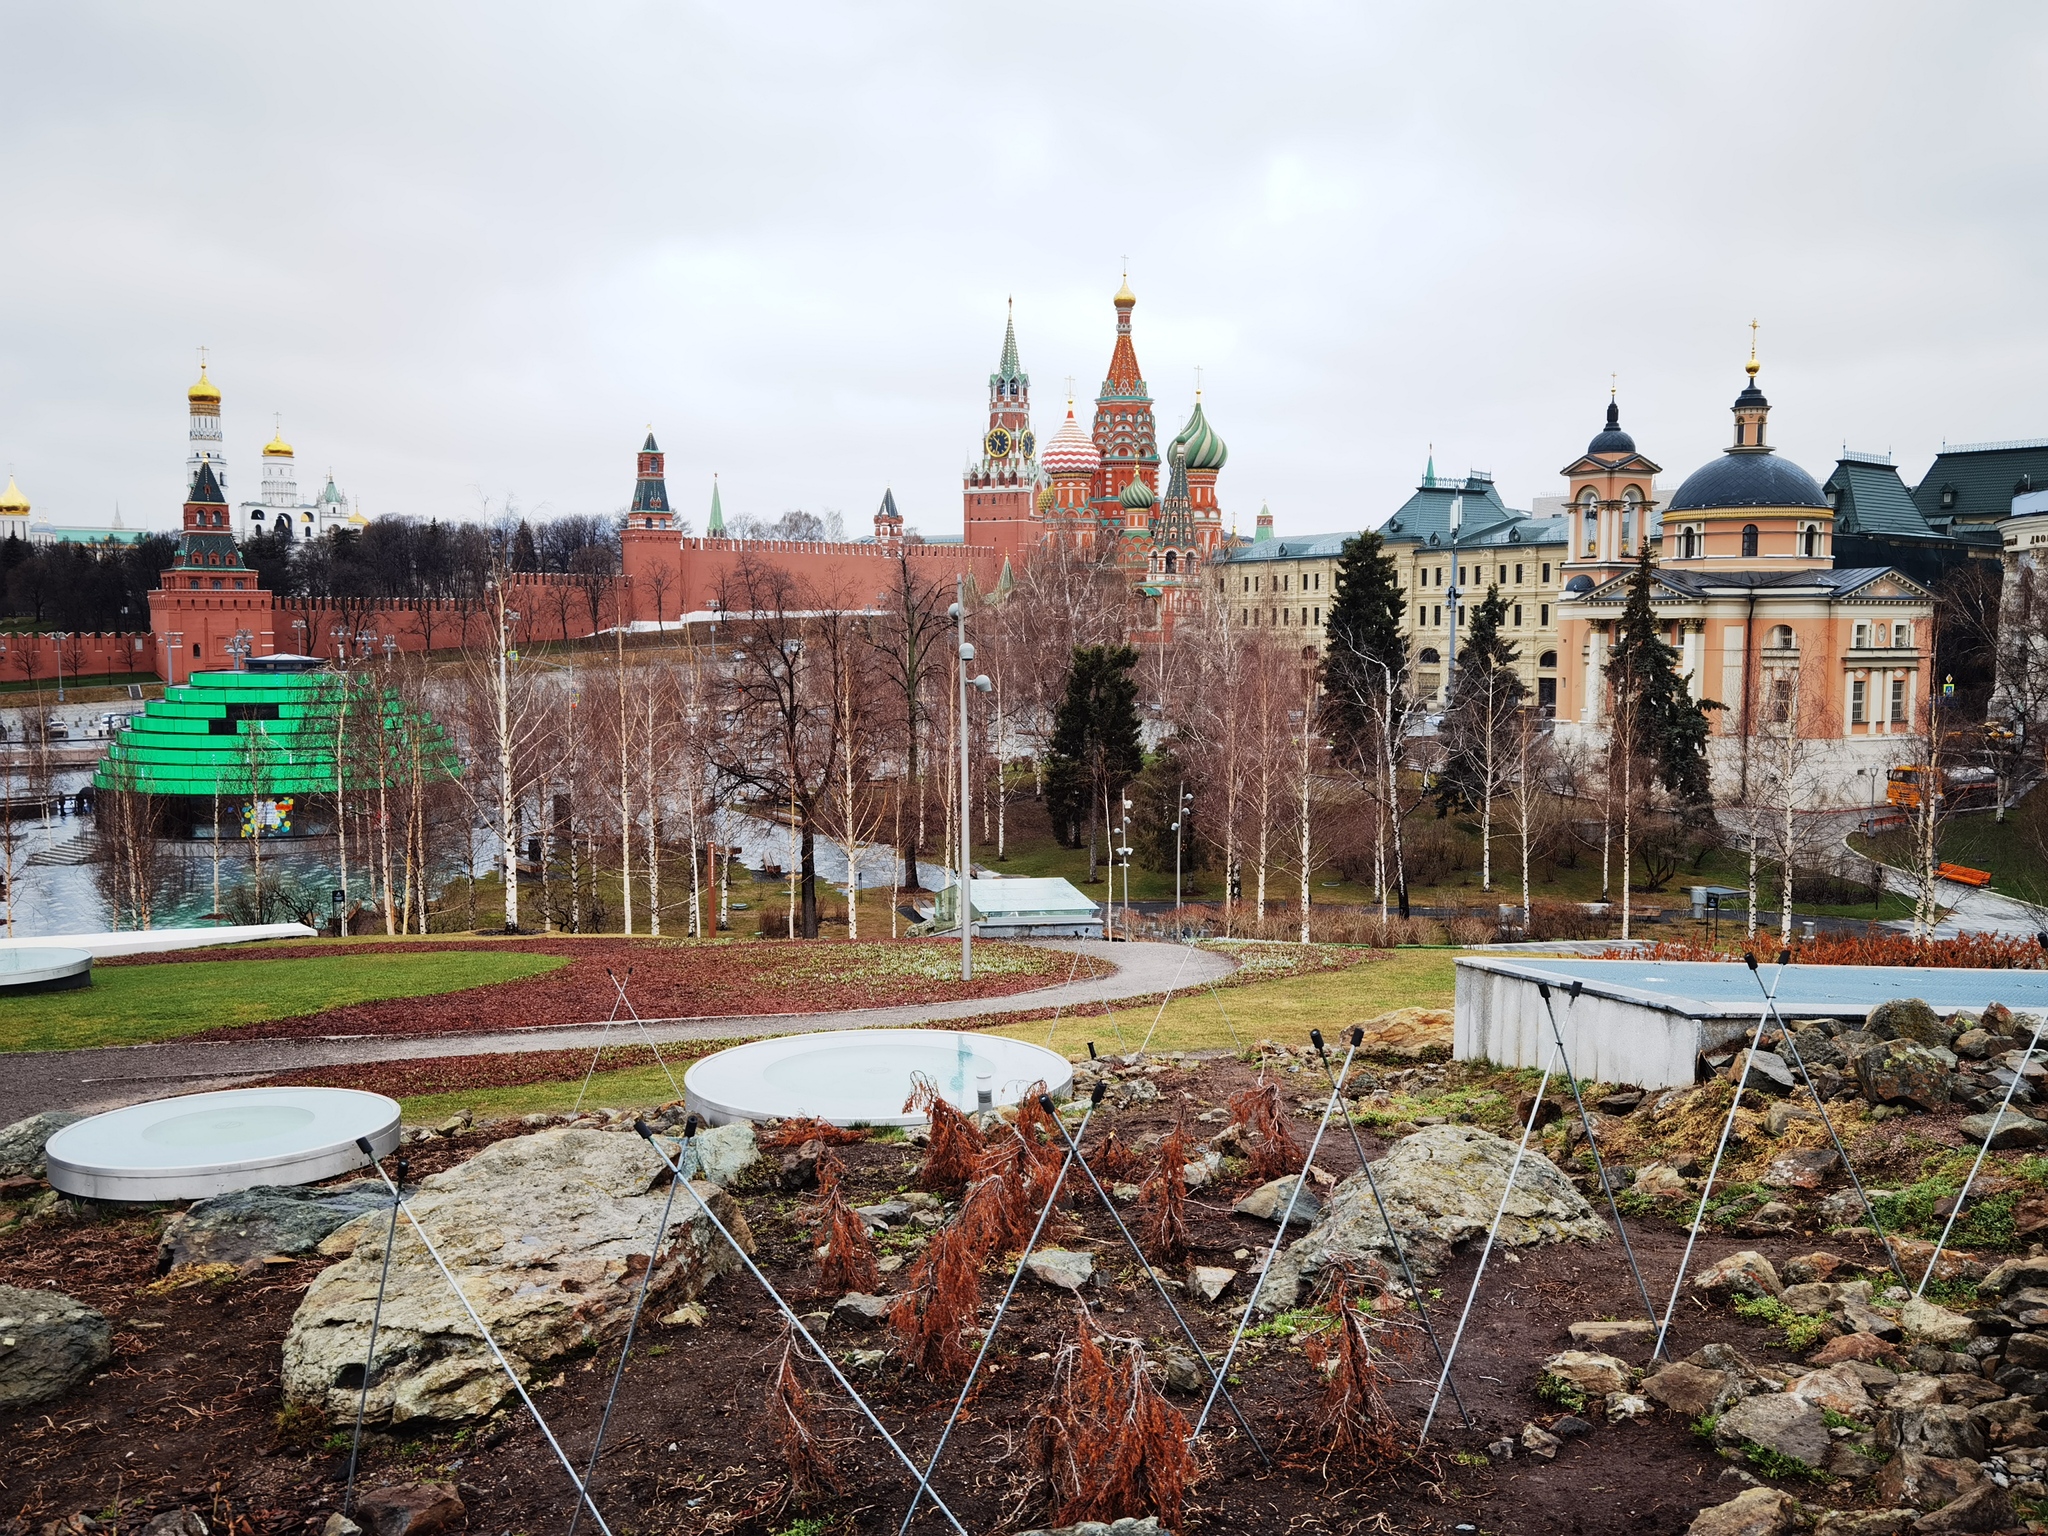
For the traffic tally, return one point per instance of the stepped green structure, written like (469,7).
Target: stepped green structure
(269,733)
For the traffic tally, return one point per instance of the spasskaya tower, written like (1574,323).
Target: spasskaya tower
(998,490)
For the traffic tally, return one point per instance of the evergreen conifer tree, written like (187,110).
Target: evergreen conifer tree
(1365,646)
(1669,725)
(1095,747)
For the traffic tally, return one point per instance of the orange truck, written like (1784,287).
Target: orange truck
(1962,788)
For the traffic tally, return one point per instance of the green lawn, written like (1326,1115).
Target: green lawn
(632,1088)
(136,1004)
(1282,1010)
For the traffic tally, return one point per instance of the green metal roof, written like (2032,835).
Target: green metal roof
(268,733)
(1982,479)
(1870,498)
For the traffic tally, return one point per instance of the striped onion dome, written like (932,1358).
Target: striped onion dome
(1070,452)
(1204,448)
(1137,496)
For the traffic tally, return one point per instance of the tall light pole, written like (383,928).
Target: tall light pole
(60,636)
(1180,815)
(958,614)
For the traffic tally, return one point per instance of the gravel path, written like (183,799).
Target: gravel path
(105,1078)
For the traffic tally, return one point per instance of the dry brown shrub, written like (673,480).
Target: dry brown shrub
(1023,1186)
(805,1453)
(942,1290)
(845,1255)
(1108,1444)
(1163,1202)
(955,1141)
(798,1129)
(1353,1424)
(1262,1124)
(1117,1159)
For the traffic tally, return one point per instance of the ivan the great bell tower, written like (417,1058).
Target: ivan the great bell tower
(997,491)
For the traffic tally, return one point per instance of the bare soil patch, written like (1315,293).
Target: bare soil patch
(190,1411)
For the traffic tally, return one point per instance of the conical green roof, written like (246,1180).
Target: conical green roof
(268,733)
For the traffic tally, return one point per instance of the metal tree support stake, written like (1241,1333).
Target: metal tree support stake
(627,1003)
(1799,1061)
(1720,1149)
(1286,1216)
(604,1423)
(1599,1168)
(1201,1355)
(788,1313)
(1400,1251)
(1492,1233)
(988,1338)
(355,1444)
(582,1493)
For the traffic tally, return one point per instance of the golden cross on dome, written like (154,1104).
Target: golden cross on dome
(1070,391)
(1198,381)
(1752,338)
(1613,385)
(202,359)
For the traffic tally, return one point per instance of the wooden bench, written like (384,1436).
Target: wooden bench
(1962,874)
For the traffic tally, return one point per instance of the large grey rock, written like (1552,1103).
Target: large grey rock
(21,1144)
(1693,1391)
(1149,1526)
(1926,1482)
(1063,1269)
(1442,1186)
(1753,1512)
(547,1235)
(2004,1129)
(723,1154)
(1779,1422)
(48,1345)
(1985,1508)
(1908,1018)
(250,1225)
(1948,1430)
(1269,1203)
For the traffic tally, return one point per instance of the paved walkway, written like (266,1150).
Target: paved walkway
(105,1078)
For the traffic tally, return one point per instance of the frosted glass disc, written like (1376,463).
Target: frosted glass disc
(862,1076)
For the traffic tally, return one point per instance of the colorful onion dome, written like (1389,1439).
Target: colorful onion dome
(204,389)
(1045,498)
(1070,452)
(277,448)
(13,503)
(1124,297)
(1204,449)
(1137,496)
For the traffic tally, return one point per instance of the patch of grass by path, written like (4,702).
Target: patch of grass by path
(1282,1010)
(137,1004)
(635,1087)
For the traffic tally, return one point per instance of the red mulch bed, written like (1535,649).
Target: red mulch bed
(670,980)
(189,1412)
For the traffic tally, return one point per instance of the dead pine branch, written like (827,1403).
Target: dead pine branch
(1353,1424)
(1163,1200)
(806,1455)
(1262,1124)
(845,1255)
(955,1142)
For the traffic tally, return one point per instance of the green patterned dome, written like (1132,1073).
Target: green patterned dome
(1137,496)
(1204,448)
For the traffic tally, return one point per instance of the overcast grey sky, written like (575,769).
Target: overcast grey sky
(471,251)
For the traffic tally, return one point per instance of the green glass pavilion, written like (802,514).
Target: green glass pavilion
(264,742)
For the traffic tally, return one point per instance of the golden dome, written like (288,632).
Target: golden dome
(13,503)
(1124,295)
(1751,366)
(277,448)
(204,389)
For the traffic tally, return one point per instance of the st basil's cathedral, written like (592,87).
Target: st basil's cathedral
(1098,491)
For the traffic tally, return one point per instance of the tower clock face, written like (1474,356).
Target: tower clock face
(997,442)
(1027,443)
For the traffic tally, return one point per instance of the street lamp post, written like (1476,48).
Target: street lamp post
(958,614)
(60,636)
(1180,809)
